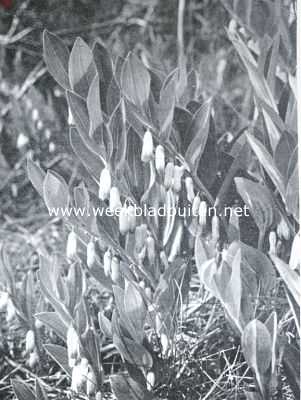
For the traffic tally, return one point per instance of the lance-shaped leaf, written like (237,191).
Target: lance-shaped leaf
(53,322)
(79,110)
(104,69)
(60,356)
(118,131)
(56,56)
(36,175)
(81,67)
(133,352)
(55,191)
(94,109)
(126,388)
(257,348)
(40,391)
(22,390)
(268,164)
(198,132)
(259,202)
(135,81)
(166,107)
(292,194)
(289,276)
(135,308)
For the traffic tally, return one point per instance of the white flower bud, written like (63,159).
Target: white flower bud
(147,147)
(10,311)
(295,257)
(177,181)
(164,344)
(150,249)
(273,243)
(22,140)
(33,359)
(30,341)
(124,225)
(38,324)
(115,201)
(150,380)
(203,213)
(189,189)
(131,218)
(91,254)
(107,260)
(283,230)
(140,237)
(70,117)
(91,383)
(115,269)
(35,114)
(3,301)
(71,249)
(196,206)
(215,227)
(73,346)
(148,293)
(105,183)
(160,159)
(169,175)
(98,396)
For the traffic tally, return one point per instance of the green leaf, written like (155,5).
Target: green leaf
(40,391)
(133,352)
(198,131)
(56,56)
(89,159)
(135,308)
(126,388)
(22,390)
(104,68)
(60,356)
(292,194)
(55,191)
(105,325)
(259,202)
(135,81)
(289,276)
(117,130)
(81,67)
(268,164)
(94,109)
(53,322)
(36,175)
(257,349)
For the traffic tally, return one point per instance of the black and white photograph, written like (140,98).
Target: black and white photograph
(149,200)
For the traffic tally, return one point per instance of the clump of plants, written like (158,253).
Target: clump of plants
(147,140)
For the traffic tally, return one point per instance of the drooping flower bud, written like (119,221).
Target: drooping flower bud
(79,376)
(150,250)
(203,214)
(273,243)
(98,396)
(132,218)
(124,224)
(160,159)
(91,254)
(169,175)
(30,341)
(150,380)
(38,324)
(196,206)
(189,189)
(3,300)
(71,248)
(115,269)
(164,344)
(283,230)
(140,237)
(147,147)
(107,259)
(73,346)
(115,201)
(142,284)
(35,114)
(70,117)
(10,311)
(91,383)
(177,181)
(149,293)
(215,228)
(105,183)
(33,359)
